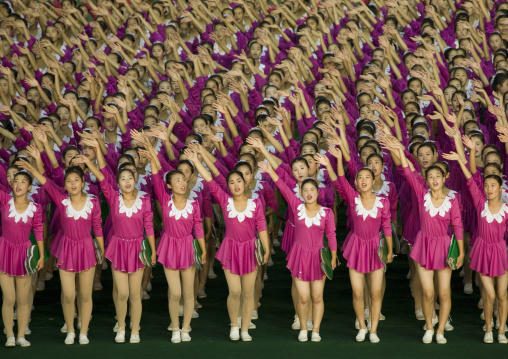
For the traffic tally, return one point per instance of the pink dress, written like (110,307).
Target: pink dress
(128,226)
(175,249)
(433,240)
(488,255)
(76,251)
(15,239)
(304,259)
(364,240)
(237,250)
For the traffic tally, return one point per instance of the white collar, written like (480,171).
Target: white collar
(175,212)
(248,212)
(296,190)
(198,186)
(72,213)
(441,210)
(361,211)
(309,221)
(498,217)
(385,189)
(138,203)
(29,212)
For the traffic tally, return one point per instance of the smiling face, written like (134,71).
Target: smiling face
(74,184)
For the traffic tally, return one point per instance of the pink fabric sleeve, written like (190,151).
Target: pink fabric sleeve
(386,218)
(260,217)
(96,218)
(456,221)
(394,200)
(290,197)
(198,222)
(109,192)
(414,183)
(148,217)
(219,194)
(330,230)
(37,225)
(158,187)
(476,194)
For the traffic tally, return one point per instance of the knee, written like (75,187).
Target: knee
(444,296)
(122,295)
(501,294)
(358,295)
(9,299)
(428,294)
(69,297)
(303,299)
(375,295)
(175,295)
(317,298)
(235,294)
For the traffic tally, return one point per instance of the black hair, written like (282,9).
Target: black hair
(445,164)
(124,169)
(494,177)
(364,169)
(69,148)
(169,175)
(185,162)
(429,145)
(434,167)
(492,164)
(375,155)
(250,155)
(234,172)
(243,163)
(26,174)
(77,170)
(313,145)
(299,159)
(309,180)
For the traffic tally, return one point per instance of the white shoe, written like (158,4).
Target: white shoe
(366,313)
(296,323)
(201,294)
(22,342)
(419,314)
(134,339)
(212,275)
(115,328)
(303,336)
(357,324)
(145,296)
(374,338)
(195,314)
(27,331)
(482,316)
(435,320)
(360,337)
(120,336)
(381,316)
(175,337)
(180,311)
(462,273)
(315,337)
(480,304)
(310,325)
(255,315)
(488,338)
(63,329)
(468,289)
(485,326)
(501,338)
(280,234)
(198,305)
(448,326)
(427,337)
(83,339)
(11,342)
(48,276)
(234,333)
(185,336)
(40,286)
(69,339)
(270,262)
(245,337)
(149,287)
(440,339)
(276,242)
(265,277)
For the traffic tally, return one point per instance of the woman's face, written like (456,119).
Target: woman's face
(200,126)
(492,188)
(435,179)
(186,170)
(69,156)
(495,43)
(376,165)
(11,172)
(33,95)
(478,145)
(255,50)
(89,152)
(323,107)
(158,52)
(126,182)
(92,124)
(52,33)
(275,80)
(420,130)
(300,171)
(247,174)
(365,112)
(491,157)
(74,184)
(365,153)
(309,137)
(65,115)
(408,97)
(4,85)
(178,184)
(165,86)
(448,93)
(310,193)
(248,149)
(312,23)
(236,185)
(461,75)
(416,86)
(364,181)
(425,157)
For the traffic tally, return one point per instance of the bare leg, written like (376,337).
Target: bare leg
(502,308)
(445,298)
(303,290)
(376,284)
(235,291)
(9,298)
(188,279)
(135,299)
(121,281)
(175,293)
(488,300)
(68,281)
(357,284)
(85,293)
(427,280)
(318,305)
(248,282)
(23,290)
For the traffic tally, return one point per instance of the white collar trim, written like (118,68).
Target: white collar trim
(175,212)
(498,217)
(29,212)
(309,221)
(361,211)
(138,204)
(248,212)
(441,210)
(72,213)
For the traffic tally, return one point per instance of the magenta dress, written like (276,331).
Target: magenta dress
(364,240)
(433,240)
(15,239)
(304,258)
(237,250)
(488,255)
(76,251)
(175,249)
(128,226)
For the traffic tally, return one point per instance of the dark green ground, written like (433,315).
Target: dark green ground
(400,333)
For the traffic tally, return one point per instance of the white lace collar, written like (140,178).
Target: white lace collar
(72,213)
(129,211)
(198,186)
(175,212)
(29,212)
(385,189)
(361,211)
(441,210)
(296,190)
(498,217)
(309,221)
(248,212)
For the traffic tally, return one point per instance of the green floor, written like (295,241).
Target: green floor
(400,333)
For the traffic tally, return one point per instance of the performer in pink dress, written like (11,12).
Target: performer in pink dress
(489,256)
(361,251)
(437,212)
(20,216)
(76,254)
(182,223)
(131,213)
(237,250)
(304,261)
